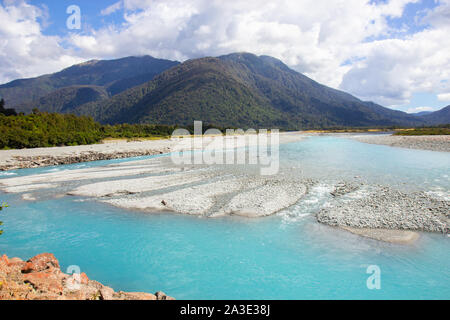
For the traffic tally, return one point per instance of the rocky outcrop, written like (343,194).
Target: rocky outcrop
(48,160)
(41,278)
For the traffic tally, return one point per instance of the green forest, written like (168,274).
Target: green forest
(42,129)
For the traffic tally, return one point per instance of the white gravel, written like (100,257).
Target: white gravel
(385,208)
(266,200)
(196,200)
(138,185)
(82,174)
(30,187)
(433,143)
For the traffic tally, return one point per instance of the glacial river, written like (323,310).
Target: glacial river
(285,256)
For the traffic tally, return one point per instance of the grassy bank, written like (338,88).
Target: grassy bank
(432,131)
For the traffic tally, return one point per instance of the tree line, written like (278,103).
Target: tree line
(42,129)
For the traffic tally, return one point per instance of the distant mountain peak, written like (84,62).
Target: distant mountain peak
(88,63)
(241,90)
(235,90)
(114,76)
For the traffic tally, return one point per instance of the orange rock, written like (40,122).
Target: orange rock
(5,259)
(41,278)
(15,261)
(40,262)
(84,278)
(28,267)
(44,282)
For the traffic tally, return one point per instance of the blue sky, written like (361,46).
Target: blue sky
(393,52)
(91,14)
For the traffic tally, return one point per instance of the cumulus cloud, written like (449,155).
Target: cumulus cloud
(391,70)
(24,50)
(445,97)
(440,16)
(344,44)
(314,37)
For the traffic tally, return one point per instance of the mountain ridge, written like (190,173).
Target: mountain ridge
(234,90)
(263,91)
(114,75)
(438,117)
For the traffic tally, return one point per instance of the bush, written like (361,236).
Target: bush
(2,206)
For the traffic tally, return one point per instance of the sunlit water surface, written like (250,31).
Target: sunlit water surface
(287,256)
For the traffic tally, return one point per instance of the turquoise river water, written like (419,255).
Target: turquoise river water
(287,256)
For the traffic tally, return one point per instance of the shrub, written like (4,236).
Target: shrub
(2,206)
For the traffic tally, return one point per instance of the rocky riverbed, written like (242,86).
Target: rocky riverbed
(41,278)
(377,211)
(20,162)
(118,149)
(159,185)
(433,143)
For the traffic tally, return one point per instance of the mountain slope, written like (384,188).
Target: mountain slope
(312,102)
(438,117)
(114,75)
(66,99)
(201,89)
(241,90)
(423,113)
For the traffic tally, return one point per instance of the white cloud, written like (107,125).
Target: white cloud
(112,8)
(440,16)
(395,68)
(24,51)
(313,36)
(419,109)
(328,40)
(445,97)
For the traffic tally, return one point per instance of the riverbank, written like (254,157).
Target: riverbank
(432,143)
(116,149)
(120,149)
(41,278)
(111,149)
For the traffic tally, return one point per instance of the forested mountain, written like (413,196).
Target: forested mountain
(241,90)
(236,90)
(114,76)
(438,117)
(419,114)
(66,99)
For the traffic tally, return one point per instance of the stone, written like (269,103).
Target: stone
(40,262)
(107,293)
(162,296)
(44,282)
(84,278)
(40,278)
(137,296)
